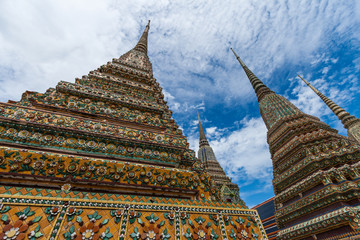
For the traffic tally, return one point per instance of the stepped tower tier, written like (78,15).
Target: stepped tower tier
(102,158)
(229,191)
(351,123)
(316,178)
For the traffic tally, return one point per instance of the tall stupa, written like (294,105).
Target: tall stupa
(102,158)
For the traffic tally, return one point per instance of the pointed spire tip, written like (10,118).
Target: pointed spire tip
(343,115)
(142,43)
(238,58)
(307,83)
(147,26)
(203,141)
(260,88)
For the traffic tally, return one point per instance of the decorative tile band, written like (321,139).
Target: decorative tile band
(71,218)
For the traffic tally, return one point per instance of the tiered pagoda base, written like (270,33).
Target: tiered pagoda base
(343,223)
(36,213)
(103,159)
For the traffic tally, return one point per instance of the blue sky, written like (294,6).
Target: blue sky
(43,42)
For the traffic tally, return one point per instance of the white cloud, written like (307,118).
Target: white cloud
(245,150)
(211,130)
(43,42)
(47,41)
(325,70)
(307,100)
(243,153)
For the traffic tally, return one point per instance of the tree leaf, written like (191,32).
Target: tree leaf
(78,219)
(105,221)
(19,214)
(36,219)
(6,208)
(27,210)
(30,213)
(50,218)
(4,218)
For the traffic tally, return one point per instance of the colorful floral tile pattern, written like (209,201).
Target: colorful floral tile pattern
(46,214)
(84,170)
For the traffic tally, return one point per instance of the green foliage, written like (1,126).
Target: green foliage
(106,235)
(165,235)
(94,216)
(5,209)
(214,235)
(36,219)
(4,217)
(152,218)
(26,212)
(188,234)
(79,219)
(200,220)
(105,221)
(135,235)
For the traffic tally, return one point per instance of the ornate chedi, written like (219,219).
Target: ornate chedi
(316,171)
(102,159)
(228,191)
(351,123)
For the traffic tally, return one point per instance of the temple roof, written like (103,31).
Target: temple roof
(137,57)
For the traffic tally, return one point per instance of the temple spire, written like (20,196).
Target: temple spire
(273,107)
(260,88)
(228,191)
(351,123)
(142,44)
(203,141)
